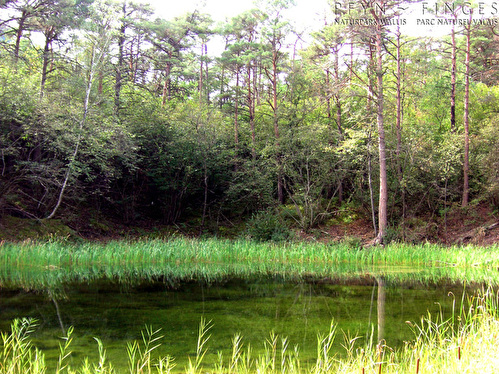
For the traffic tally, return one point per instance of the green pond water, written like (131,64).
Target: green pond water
(117,312)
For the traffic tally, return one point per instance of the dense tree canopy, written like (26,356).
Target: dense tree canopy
(106,110)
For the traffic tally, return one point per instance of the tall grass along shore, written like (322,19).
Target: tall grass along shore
(60,253)
(46,264)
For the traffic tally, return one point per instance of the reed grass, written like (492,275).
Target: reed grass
(35,265)
(460,344)
(209,251)
(464,343)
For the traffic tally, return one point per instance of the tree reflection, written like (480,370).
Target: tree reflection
(381,307)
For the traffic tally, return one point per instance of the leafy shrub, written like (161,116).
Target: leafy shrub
(392,234)
(266,226)
(352,242)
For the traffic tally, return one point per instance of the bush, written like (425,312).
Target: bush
(352,242)
(267,225)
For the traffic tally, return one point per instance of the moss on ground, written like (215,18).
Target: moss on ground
(19,229)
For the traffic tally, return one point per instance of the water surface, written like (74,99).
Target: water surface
(117,312)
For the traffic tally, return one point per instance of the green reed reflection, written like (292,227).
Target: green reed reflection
(111,291)
(438,345)
(48,265)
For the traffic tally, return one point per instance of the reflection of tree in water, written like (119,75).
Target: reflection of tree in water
(54,300)
(381,308)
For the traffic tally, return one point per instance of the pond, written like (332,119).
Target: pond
(117,312)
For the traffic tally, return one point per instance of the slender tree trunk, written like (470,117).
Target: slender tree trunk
(398,123)
(381,302)
(222,83)
(19,33)
(328,100)
(45,67)
(131,63)
(351,62)
(369,180)
(383,186)
(398,127)
(205,200)
(94,63)
(280,187)
(338,116)
(329,115)
(78,140)
(100,87)
(257,83)
(370,79)
(337,96)
(200,83)
(134,60)
(119,68)
(251,107)
(369,139)
(453,80)
(206,77)
(165,91)
(466,164)
(236,113)
(339,125)
(46,58)
(236,122)
(166,86)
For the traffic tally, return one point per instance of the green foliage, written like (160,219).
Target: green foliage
(267,226)
(352,242)
(18,354)
(313,169)
(489,162)
(140,353)
(159,140)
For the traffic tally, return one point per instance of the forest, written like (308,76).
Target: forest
(112,115)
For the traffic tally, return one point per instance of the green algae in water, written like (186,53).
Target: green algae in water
(117,313)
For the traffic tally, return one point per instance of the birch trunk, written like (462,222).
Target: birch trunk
(94,61)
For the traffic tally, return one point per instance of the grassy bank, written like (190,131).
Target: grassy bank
(464,343)
(242,251)
(33,265)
